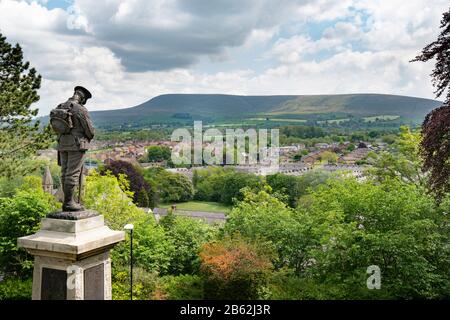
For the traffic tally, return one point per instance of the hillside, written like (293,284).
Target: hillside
(184,108)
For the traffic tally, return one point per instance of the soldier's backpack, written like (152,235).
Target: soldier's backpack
(61,119)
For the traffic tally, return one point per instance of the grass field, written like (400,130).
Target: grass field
(380,118)
(278,120)
(199,206)
(337,121)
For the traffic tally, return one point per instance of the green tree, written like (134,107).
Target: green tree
(224,185)
(394,225)
(285,184)
(207,183)
(435,145)
(232,183)
(153,248)
(351,147)
(262,217)
(187,235)
(143,199)
(402,161)
(111,197)
(20,216)
(174,187)
(298,156)
(329,157)
(158,153)
(19,136)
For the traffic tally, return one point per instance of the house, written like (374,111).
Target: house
(312,157)
(354,156)
(322,145)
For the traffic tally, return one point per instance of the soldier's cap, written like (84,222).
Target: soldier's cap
(83,90)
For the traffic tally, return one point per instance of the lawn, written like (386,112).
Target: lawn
(336,121)
(380,118)
(278,120)
(199,206)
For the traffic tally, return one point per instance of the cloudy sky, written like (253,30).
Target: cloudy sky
(127,52)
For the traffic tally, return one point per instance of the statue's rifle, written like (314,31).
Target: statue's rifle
(80,184)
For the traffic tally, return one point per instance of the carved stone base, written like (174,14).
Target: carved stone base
(73,215)
(72,258)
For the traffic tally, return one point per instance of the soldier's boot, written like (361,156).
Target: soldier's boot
(69,203)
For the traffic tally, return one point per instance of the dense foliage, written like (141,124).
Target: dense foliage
(143,194)
(234,268)
(158,153)
(393,225)
(223,185)
(111,197)
(435,146)
(170,187)
(20,215)
(19,136)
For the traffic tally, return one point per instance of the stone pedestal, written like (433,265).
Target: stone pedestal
(71,257)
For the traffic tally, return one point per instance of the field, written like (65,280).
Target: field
(278,120)
(336,121)
(199,206)
(381,117)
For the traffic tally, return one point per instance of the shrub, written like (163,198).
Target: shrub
(110,197)
(144,283)
(393,225)
(142,191)
(187,235)
(263,217)
(20,216)
(16,289)
(154,250)
(182,287)
(234,268)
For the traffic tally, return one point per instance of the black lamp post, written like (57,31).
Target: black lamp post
(131,227)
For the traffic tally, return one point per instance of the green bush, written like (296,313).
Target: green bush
(182,287)
(16,289)
(144,283)
(224,185)
(352,225)
(187,235)
(20,216)
(111,197)
(171,187)
(153,250)
(263,217)
(235,268)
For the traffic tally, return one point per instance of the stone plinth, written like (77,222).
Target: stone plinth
(72,258)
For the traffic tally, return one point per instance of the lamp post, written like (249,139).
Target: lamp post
(130,227)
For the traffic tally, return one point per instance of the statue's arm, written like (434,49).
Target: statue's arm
(86,122)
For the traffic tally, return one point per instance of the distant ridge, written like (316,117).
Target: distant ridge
(176,108)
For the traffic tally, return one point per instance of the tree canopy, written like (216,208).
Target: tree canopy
(20,137)
(435,146)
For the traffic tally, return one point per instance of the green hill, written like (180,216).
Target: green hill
(214,108)
(188,107)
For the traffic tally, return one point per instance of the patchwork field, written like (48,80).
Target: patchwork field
(380,118)
(199,206)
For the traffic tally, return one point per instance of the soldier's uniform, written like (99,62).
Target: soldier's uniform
(72,148)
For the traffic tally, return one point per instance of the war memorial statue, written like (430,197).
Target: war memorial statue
(71,249)
(71,121)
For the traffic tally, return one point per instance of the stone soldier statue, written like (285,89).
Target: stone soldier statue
(71,121)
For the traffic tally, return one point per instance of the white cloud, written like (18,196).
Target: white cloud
(96,44)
